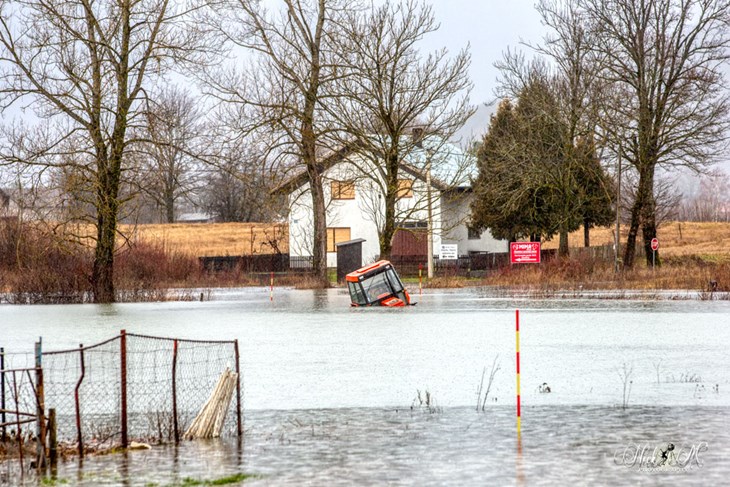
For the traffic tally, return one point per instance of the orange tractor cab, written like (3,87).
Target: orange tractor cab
(377,285)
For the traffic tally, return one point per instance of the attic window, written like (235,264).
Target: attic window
(405,188)
(343,190)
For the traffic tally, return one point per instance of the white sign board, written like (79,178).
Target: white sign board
(449,252)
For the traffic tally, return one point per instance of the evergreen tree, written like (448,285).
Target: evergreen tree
(533,181)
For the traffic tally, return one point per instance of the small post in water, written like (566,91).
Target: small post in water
(517,338)
(420,279)
(271,288)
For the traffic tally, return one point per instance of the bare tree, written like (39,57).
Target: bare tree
(281,90)
(387,90)
(239,187)
(173,129)
(84,67)
(711,202)
(664,58)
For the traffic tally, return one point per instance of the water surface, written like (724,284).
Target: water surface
(328,389)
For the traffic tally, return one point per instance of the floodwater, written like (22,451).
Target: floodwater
(330,391)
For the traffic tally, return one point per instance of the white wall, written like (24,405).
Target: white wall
(456,213)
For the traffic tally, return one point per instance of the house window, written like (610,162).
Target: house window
(414,225)
(343,190)
(473,233)
(335,236)
(405,188)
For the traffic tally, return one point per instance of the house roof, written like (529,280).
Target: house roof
(451,166)
(299,178)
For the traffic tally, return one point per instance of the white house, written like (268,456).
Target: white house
(353,195)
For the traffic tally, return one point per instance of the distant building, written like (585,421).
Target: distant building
(195,217)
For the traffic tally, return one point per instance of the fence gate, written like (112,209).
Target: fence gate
(22,407)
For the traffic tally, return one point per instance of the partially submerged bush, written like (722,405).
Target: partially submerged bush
(143,265)
(37,267)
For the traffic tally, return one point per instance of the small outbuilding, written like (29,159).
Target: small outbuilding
(349,257)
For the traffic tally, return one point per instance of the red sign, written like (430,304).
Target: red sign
(524,252)
(654,244)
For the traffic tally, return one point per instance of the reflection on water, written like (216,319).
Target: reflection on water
(322,382)
(457,446)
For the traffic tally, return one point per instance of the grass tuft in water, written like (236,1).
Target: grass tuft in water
(52,481)
(230,479)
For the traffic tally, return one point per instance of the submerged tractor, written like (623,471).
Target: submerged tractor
(377,285)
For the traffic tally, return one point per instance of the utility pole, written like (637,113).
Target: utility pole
(430,214)
(418,142)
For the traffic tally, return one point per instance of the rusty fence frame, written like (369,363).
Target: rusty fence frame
(36,383)
(124,421)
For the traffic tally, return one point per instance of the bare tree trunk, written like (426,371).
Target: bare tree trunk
(586,233)
(102,278)
(630,250)
(649,230)
(319,212)
(391,194)
(170,209)
(169,199)
(563,250)
(642,214)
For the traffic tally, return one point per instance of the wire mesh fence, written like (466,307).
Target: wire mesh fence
(134,387)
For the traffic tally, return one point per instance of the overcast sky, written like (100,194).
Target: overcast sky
(489,26)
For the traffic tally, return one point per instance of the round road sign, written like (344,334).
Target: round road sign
(654,244)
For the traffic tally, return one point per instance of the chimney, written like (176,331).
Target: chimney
(418,136)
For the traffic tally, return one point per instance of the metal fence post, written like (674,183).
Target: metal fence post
(40,407)
(52,438)
(2,392)
(174,392)
(79,436)
(123,379)
(239,430)
(19,431)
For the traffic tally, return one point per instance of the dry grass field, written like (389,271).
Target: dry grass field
(710,241)
(213,239)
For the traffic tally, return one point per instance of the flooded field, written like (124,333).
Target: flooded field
(330,392)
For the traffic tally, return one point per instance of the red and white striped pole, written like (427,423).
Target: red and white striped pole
(517,339)
(420,279)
